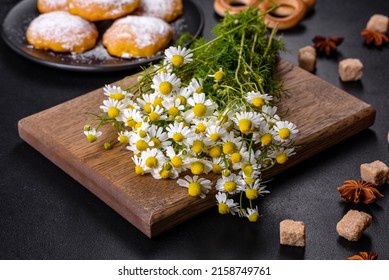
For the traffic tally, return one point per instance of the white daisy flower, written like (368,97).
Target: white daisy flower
(199,166)
(218,165)
(159,139)
(240,157)
(131,117)
(147,101)
(258,99)
(201,107)
(199,144)
(167,172)
(281,155)
(153,160)
(247,121)
(218,76)
(225,205)
(178,56)
(177,160)
(113,108)
(156,114)
(179,133)
(200,125)
(215,133)
(131,104)
(115,92)
(137,143)
(196,85)
(231,143)
(196,186)
(269,114)
(166,83)
(124,137)
(138,165)
(164,67)
(252,214)
(183,95)
(285,131)
(92,134)
(173,107)
(264,135)
(231,184)
(254,190)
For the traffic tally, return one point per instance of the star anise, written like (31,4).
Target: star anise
(364,256)
(361,191)
(373,37)
(327,45)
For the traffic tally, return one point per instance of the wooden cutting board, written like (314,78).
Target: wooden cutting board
(324,114)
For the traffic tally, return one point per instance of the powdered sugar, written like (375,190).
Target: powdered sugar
(113,7)
(61,27)
(144,29)
(53,4)
(157,8)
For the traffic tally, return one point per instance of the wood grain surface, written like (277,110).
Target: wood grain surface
(324,114)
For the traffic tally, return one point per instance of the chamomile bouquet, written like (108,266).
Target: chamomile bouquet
(209,108)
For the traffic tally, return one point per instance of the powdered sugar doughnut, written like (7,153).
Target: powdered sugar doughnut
(167,10)
(137,36)
(46,6)
(94,10)
(61,32)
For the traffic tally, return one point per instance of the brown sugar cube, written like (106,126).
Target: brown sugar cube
(375,172)
(352,225)
(307,58)
(378,23)
(292,233)
(350,69)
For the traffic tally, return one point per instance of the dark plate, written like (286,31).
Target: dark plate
(96,60)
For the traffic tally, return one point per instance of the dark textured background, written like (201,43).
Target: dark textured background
(45,214)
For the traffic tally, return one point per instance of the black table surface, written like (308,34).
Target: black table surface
(45,214)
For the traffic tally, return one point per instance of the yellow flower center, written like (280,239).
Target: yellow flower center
(156,141)
(251,194)
(198,146)
(138,125)
(217,169)
(182,99)
(247,170)
(245,125)
(201,127)
(130,122)
(177,161)
(229,148)
(164,174)
(226,172)
(218,76)
(117,96)
(223,208)
(266,139)
(139,170)
(158,102)
(91,138)
(113,112)
(230,186)
(123,139)
(173,111)
(194,189)
(258,101)
(254,217)
(215,151)
(177,60)
(147,108)
(197,168)
(142,133)
(199,89)
(199,110)
(154,116)
(281,158)
(284,133)
(141,145)
(215,136)
(178,137)
(151,162)
(130,106)
(236,157)
(165,88)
